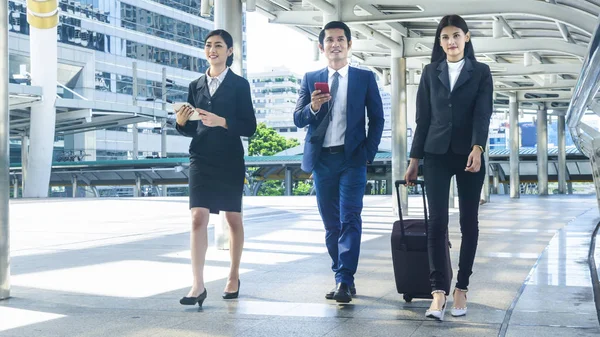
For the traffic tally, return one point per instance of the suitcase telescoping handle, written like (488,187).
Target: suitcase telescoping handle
(417,182)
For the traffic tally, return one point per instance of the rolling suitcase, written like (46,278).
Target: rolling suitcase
(409,253)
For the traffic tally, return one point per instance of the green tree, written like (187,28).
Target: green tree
(303,187)
(267,142)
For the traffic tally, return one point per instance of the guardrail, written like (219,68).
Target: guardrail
(586,138)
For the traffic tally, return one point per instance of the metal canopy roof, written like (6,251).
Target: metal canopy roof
(75,115)
(551,36)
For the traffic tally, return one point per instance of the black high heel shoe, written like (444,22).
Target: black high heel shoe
(229,296)
(193,300)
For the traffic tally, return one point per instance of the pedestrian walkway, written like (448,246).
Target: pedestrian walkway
(117,267)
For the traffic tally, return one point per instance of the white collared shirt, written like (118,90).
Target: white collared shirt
(336,131)
(215,82)
(454,69)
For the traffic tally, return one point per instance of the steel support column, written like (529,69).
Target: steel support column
(542,151)
(562,155)
(4,157)
(134,128)
(228,16)
(163,126)
(399,123)
(514,147)
(42,16)
(288,181)
(24,156)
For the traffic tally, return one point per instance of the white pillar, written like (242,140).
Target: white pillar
(562,155)
(497,31)
(398,123)
(74,186)
(514,147)
(43,18)
(15,187)
(527,59)
(24,156)
(134,128)
(289,181)
(228,16)
(163,126)
(4,156)
(137,188)
(542,151)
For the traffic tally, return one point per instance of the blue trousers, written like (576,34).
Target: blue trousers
(340,187)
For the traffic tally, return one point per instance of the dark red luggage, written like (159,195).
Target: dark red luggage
(409,253)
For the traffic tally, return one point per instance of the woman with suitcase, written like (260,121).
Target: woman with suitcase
(454,107)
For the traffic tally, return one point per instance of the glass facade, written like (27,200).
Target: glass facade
(70,31)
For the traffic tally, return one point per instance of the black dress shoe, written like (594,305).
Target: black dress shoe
(193,300)
(330,294)
(229,296)
(342,294)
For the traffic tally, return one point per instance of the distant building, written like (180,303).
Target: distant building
(274,94)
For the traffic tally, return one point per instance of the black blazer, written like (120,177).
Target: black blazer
(455,120)
(233,101)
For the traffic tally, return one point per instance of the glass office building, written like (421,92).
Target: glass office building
(102,39)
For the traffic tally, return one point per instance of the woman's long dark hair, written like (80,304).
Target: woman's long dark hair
(228,41)
(438,53)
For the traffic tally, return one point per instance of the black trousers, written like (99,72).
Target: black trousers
(438,170)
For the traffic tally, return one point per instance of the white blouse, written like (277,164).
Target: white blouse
(454,69)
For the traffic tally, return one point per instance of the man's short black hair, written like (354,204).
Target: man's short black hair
(335,25)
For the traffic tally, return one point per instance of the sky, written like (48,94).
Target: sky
(272,45)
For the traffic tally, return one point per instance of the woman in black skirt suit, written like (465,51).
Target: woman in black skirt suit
(217,170)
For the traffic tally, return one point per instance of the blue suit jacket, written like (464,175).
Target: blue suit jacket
(359,146)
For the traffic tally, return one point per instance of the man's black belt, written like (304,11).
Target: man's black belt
(333,149)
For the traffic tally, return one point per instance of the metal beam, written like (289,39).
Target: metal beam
(513,69)
(323,6)
(567,84)
(496,46)
(396,26)
(72,115)
(146,176)
(369,46)
(4,157)
(376,35)
(433,9)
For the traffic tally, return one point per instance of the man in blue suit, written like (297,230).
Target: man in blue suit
(337,150)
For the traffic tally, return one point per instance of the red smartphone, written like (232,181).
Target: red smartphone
(323,86)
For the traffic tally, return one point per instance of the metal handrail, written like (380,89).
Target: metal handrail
(584,92)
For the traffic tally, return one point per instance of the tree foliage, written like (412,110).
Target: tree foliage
(267,142)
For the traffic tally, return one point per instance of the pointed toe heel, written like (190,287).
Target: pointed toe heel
(193,300)
(233,295)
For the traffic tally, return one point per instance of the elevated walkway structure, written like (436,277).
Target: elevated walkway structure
(174,171)
(535,49)
(76,114)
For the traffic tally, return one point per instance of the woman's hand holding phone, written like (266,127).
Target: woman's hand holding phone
(319,96)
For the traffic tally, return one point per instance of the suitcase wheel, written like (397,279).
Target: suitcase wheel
(408,298)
